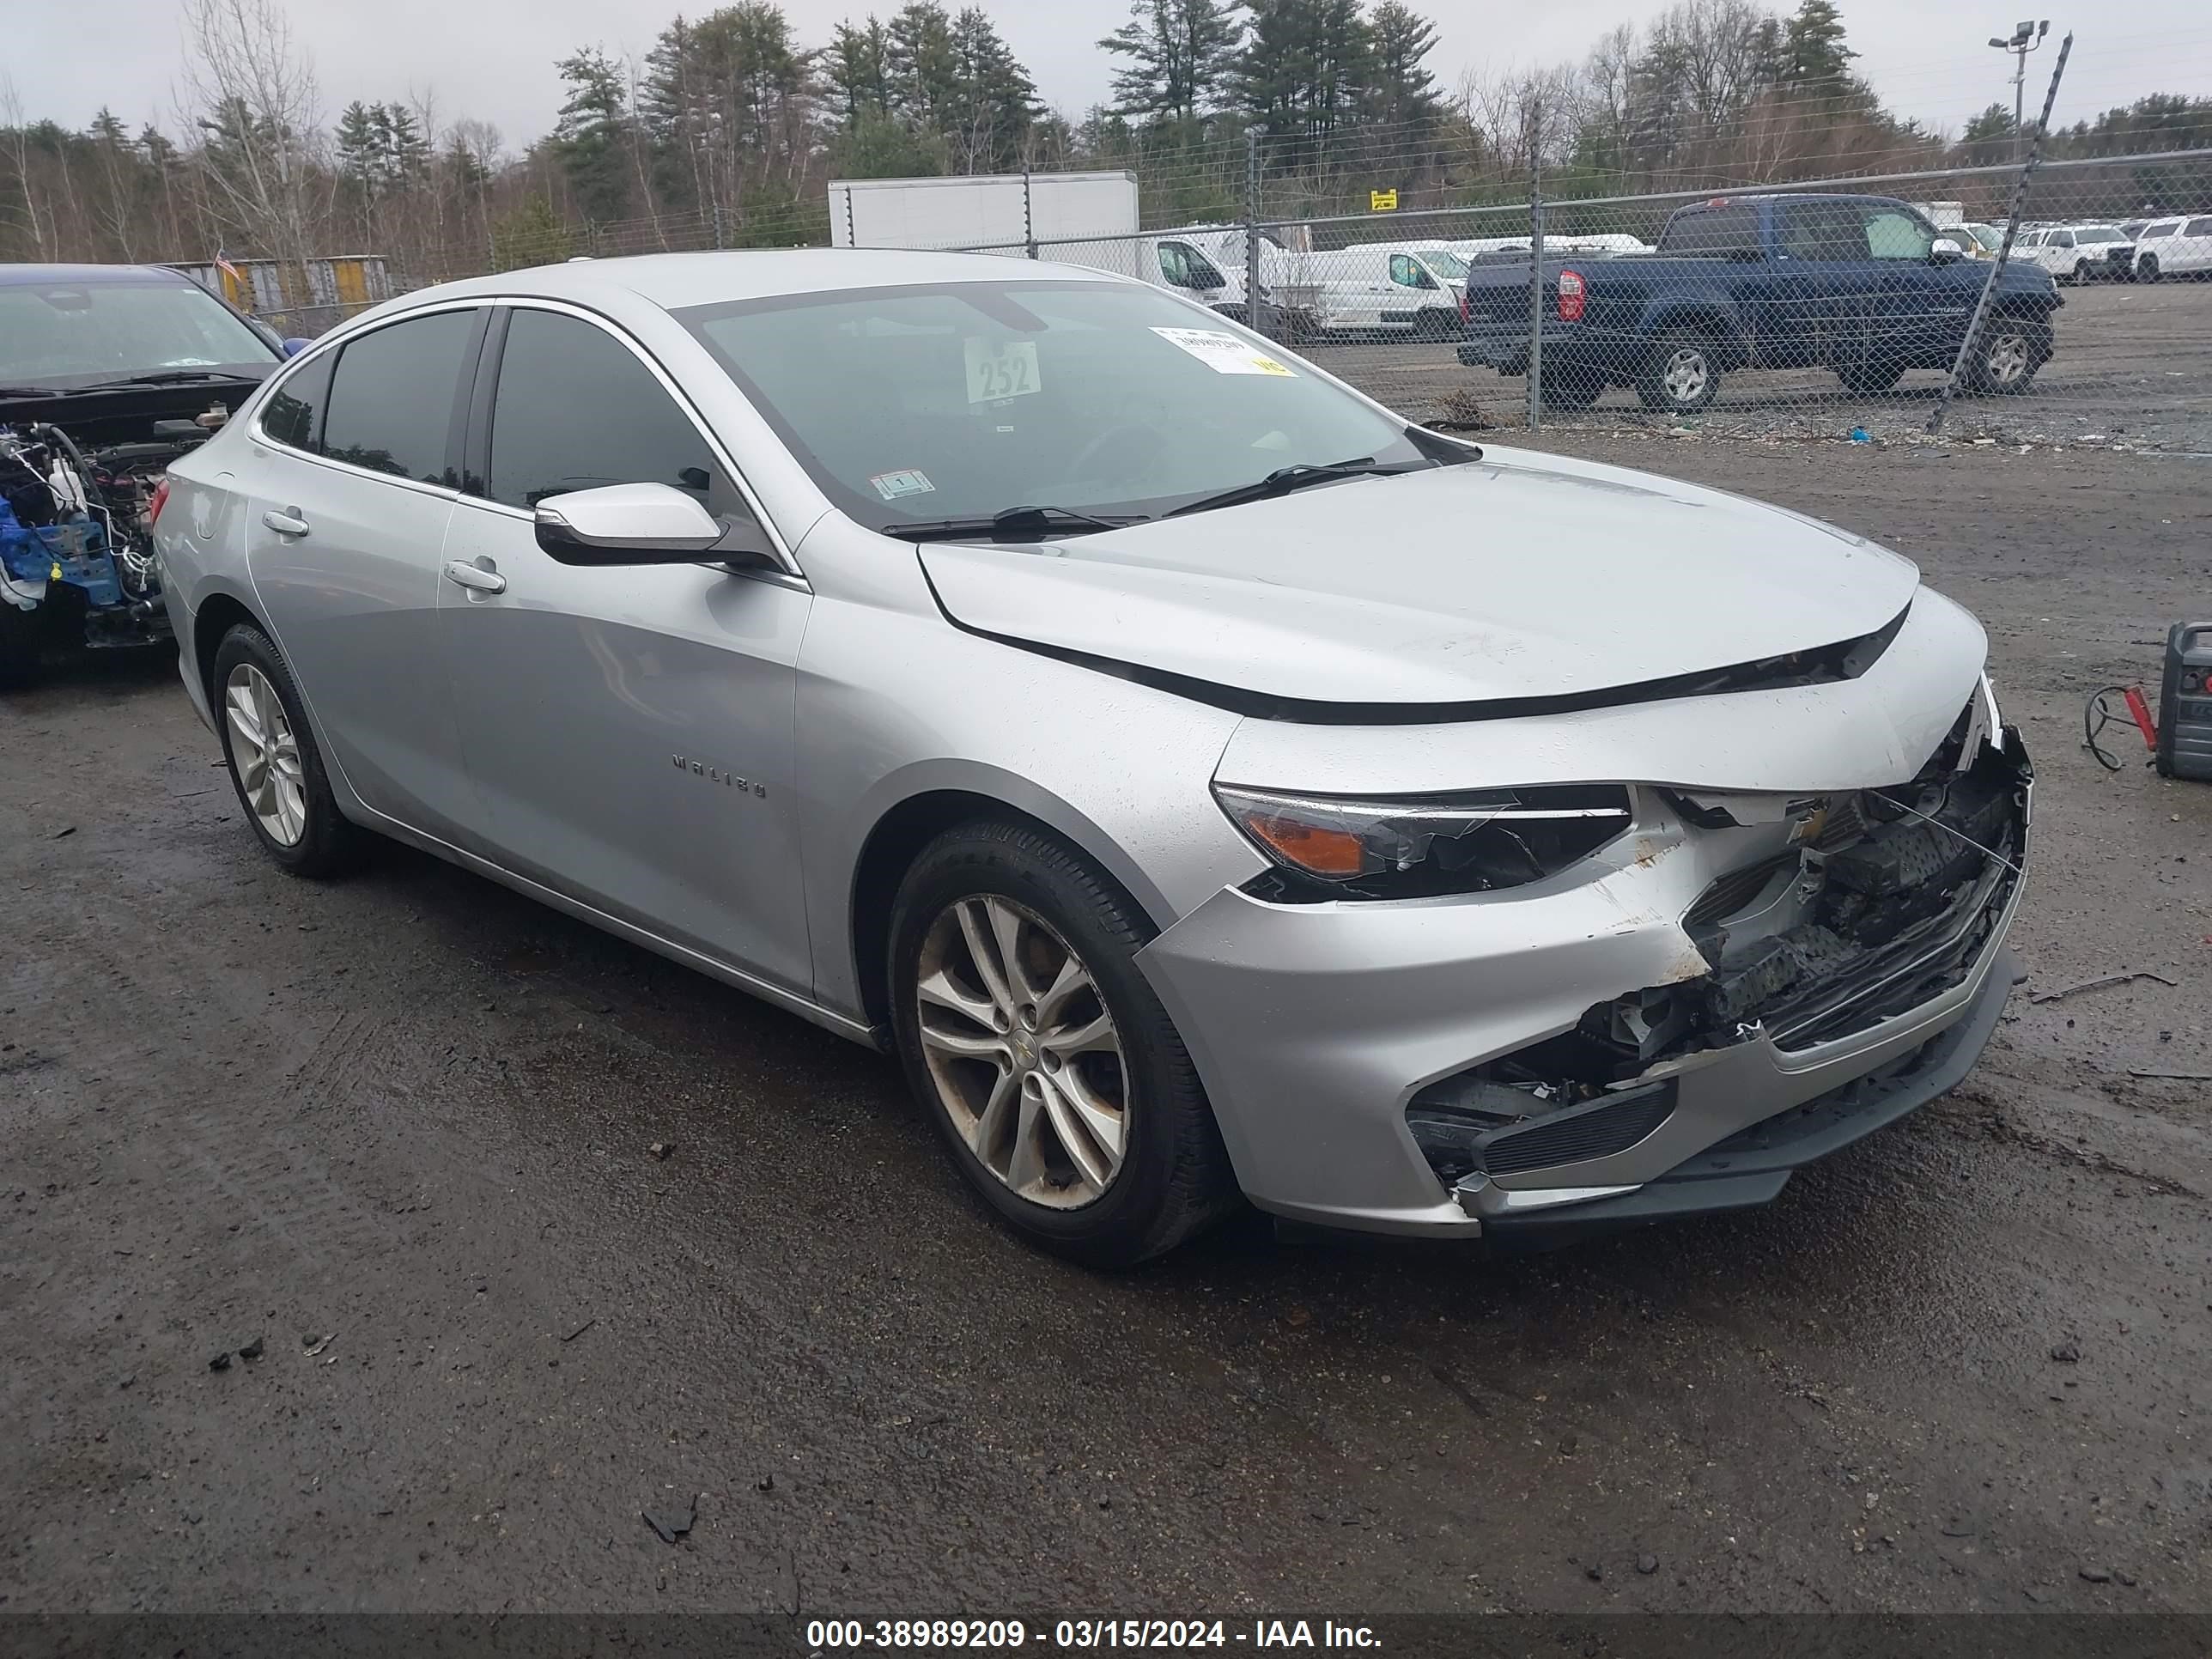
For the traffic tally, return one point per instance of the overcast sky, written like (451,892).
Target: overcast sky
(492,59)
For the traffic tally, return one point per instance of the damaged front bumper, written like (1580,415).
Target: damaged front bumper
(1737,991)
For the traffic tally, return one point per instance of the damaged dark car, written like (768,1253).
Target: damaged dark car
(107,375)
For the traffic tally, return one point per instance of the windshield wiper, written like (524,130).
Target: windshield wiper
(162,377)
(32,391)
(1283,479)
(1014,524)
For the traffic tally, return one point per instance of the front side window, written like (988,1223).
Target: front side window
(1893,233)
(391,406)
(2160,231)
(955,401)
(1174,265)
(76,333)
(2061,238)
(1406,272)
(576,409)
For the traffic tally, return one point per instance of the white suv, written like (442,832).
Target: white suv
(2174,247)
(2079,253)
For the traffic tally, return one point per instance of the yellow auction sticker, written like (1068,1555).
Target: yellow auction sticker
(1224,354)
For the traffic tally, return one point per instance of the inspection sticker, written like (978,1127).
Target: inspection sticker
(892,485)
(1224,354)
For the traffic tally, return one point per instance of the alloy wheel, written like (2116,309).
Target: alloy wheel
(2007,358)
(1686,374)
(265,751)
(1022,1052)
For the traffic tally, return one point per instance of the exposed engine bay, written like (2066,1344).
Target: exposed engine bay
(77,562)
(1839,911)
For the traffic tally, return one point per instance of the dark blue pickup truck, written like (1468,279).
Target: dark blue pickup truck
(1863,285)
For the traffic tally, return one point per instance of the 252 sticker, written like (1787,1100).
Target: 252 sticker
(1001,369)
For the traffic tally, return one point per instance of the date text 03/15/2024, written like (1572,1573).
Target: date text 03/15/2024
(827,1636)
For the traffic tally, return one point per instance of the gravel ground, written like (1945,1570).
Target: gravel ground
(2134,367)
(399,1131)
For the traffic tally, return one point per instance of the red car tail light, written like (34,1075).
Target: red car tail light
(1570,296)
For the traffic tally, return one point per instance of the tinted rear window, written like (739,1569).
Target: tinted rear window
(391,399)
(1712,230)
(295,407)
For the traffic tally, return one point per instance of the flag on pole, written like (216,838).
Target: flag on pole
(223,264)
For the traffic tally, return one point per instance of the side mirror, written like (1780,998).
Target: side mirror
(627,524)
(295,345)
(1943,251)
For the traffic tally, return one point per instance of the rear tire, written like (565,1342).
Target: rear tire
(274,766)
(1104,1150)
(1681,375)
(1572,389)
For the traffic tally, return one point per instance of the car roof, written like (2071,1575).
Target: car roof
(674,281)
(14,276)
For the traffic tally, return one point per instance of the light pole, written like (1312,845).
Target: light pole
(2026,38)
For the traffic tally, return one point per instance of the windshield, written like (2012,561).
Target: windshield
(74,332)
(957,401)
(1445,264)
(2097,234)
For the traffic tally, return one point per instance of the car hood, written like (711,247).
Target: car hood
(1518,578)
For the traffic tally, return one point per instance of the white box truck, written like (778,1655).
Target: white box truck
(1001,211)
(1075,218)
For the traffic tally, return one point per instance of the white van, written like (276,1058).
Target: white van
(1171,259)
(1389,287)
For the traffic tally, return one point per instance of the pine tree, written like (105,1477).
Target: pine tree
(1813,56)
(1183,57)
(1304,70)
(993,101)
(1400,93)
(589,136)
(922,64)
(857,66)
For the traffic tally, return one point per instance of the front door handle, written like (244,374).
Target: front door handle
(285,521)
(477,578)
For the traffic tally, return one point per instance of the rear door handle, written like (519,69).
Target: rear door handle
(474,577)
(286,521)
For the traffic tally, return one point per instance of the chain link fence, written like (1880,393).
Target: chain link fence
(1819,308)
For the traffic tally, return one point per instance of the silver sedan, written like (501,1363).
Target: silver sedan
(1205,782)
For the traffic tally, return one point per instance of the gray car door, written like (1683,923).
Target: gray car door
(348,494)
(629,729)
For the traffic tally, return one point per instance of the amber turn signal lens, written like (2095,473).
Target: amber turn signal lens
(1307,846)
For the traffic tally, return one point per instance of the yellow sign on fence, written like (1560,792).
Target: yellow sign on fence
(1382,201)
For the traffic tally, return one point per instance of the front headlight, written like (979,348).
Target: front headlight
(1329,848)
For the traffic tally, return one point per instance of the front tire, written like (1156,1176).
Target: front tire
(1041,1053)
(2146,268)
(1682,374)
(2010,351)
(274,766)
(22,647)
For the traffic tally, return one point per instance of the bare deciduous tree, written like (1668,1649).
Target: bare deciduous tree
(251,91)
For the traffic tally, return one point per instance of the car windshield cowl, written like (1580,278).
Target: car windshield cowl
(1012,524)
(1285,479)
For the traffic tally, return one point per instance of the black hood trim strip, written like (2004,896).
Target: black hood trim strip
(1824,665)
